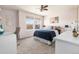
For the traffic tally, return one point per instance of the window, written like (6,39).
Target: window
(33,23)
(37,24)
(29,23)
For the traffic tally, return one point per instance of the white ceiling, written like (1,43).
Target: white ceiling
(36,8)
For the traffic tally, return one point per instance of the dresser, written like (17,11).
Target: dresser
(65,43)
(8,44)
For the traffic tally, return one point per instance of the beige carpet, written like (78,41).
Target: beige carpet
(31,46)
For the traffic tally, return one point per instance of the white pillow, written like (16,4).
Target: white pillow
(47,28)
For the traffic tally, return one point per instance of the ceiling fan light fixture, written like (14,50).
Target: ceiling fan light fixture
(44,8)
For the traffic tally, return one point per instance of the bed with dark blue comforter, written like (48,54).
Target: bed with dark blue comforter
(45,34)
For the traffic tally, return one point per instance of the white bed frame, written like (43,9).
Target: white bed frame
(43,40)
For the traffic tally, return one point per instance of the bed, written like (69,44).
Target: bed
(45,36)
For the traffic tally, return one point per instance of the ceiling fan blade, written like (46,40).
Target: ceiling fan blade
(45,6)
(45,9)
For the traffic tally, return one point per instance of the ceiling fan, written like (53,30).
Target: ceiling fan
(44,8)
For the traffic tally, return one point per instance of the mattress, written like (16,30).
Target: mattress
(45,34)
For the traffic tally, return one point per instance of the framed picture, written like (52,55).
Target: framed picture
(54,20)
(29,26)
(37,26)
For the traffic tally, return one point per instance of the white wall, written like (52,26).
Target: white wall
(67,13)
(24,32)
(9,17)
(23,16)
